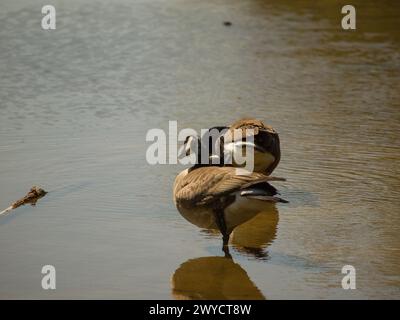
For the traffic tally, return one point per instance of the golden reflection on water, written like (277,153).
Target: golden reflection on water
(213,278)
(221,277)
(254,236)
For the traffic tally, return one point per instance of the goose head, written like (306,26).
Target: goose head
(223,145)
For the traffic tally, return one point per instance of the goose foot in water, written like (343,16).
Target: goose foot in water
(225,249)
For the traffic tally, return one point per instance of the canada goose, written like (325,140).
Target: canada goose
(264,144)
(215,197)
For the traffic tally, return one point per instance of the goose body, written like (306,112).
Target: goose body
(215,197)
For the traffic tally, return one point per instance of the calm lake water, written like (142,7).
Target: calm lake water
(75,107)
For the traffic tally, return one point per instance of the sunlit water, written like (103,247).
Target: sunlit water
(75,106)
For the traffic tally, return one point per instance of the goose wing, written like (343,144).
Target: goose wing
(203,186)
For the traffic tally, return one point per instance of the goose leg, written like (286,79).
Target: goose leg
(220,220)
(225,249)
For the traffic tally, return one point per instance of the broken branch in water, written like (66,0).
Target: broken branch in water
(31,197)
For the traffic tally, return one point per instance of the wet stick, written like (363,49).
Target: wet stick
(31,197)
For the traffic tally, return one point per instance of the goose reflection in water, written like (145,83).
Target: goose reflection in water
(213,278)
(221,277)
(252,238)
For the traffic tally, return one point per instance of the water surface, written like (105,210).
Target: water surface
(75,106)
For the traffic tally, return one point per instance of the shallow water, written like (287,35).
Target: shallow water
(75,106)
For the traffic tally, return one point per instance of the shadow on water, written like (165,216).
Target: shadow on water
(222,277)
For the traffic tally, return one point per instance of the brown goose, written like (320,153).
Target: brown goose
(215,197)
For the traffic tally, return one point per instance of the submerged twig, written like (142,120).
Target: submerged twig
(31,197)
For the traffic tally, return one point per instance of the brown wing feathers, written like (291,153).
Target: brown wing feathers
(205,185)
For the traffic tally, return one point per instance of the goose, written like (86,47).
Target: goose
(265,145)
(215,197)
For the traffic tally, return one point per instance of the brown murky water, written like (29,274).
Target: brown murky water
(75,106)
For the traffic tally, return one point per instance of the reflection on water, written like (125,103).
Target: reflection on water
(221,277)
(254,236)
(213,278)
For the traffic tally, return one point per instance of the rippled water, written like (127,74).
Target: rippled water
(76,103)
